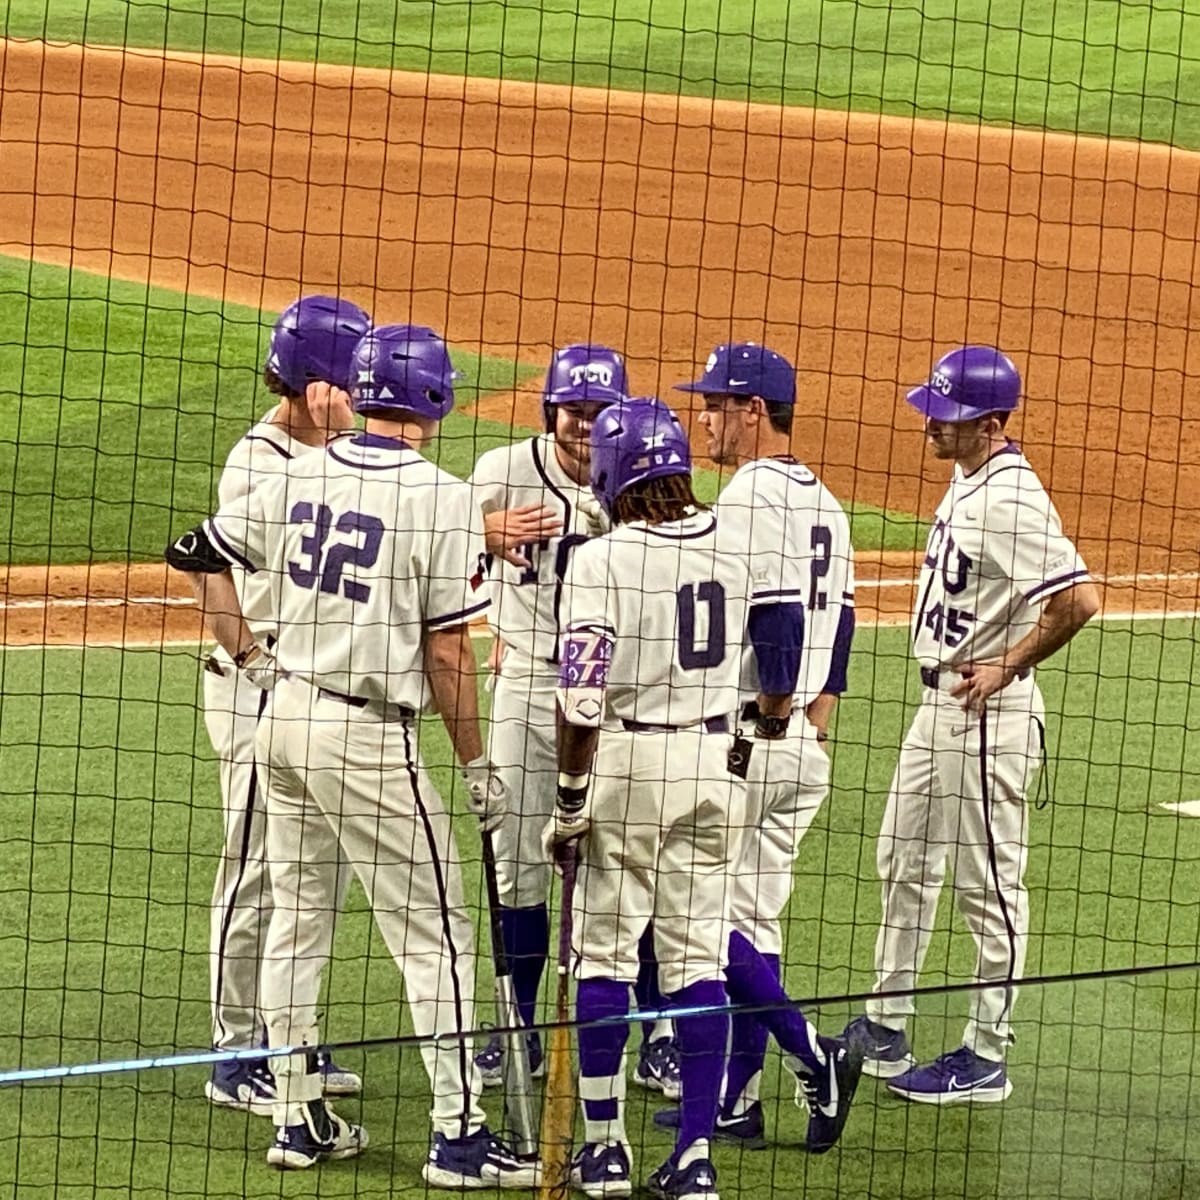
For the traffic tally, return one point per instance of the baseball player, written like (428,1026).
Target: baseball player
(307,368)
(538,509)
(801,624)
(373,558)
(1001,589)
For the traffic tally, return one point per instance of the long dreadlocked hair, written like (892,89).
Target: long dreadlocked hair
(657,501)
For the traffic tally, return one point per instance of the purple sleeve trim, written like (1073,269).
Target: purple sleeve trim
(835,685)
(1055,585)
(226,550)
(457,618)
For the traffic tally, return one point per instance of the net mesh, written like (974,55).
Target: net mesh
(860,187)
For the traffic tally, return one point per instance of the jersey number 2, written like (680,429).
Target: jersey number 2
(711,653)
(327,564)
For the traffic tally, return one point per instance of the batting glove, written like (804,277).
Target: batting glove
(260,667)
(487,797)
(572,814)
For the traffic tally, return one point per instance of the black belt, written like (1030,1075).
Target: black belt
(708,725)
(930,675)
(390,712)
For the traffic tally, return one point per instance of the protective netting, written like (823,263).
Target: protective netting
(859,187)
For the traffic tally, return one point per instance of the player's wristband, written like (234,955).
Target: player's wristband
(243,658)
(572,791)
(771,728)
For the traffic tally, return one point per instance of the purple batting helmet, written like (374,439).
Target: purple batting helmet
(746,369)
(400,369)
(968,383)
(583,373)
(314,339)
(639,439)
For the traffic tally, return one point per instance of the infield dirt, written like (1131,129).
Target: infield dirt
(518,216)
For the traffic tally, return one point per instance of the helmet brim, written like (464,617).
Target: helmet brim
(932,404)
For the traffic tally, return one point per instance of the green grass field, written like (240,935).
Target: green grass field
(117,407)
(112,820)
(1088,66)
(129,399)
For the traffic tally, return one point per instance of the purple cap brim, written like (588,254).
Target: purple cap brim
(941,408)
(701,385)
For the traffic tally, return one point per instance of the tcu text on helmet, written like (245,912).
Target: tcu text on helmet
(592,372)
(941,383)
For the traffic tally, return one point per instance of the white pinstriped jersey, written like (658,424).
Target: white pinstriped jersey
(671,603)
(995,554)
(364,548)
(260,453)
(526,602)
(798,538)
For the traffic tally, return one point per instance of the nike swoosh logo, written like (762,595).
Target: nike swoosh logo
(955,1086)
(955,731)
(738,382)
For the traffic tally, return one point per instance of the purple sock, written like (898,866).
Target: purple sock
(601,1047)
(702,1041)
(751,979)
(526,934)
(747,1055)
(649,998)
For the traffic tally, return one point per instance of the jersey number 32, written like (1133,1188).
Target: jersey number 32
(323,565)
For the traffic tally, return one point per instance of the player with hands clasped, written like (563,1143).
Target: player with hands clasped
(796,538)
(373,557)
(652,617)
(308,370)
(1001,588)
(538,508)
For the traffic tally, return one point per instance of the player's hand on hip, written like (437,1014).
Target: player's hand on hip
(506,531)
(261,668)
(487,797)
(979,681)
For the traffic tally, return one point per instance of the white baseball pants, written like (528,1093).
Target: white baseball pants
(786,782)
(339,775)
(522,742)
(666,819)
(958,799)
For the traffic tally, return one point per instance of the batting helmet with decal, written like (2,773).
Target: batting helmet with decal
(398,369)
(639,439)
(313,341)
(746,369)
(583,374)
(967,384)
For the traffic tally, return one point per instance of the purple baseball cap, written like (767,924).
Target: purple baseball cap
(968,383)
(746,369)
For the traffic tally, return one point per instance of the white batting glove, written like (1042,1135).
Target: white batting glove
(487,797)
(261,668)
(572,815)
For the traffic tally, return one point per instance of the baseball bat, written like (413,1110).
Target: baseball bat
(558,1108)
(518,1084)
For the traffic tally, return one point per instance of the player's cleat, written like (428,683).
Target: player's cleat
(322,1136)
(886,1052)
(479,1160)
(959,1077)
(247,1085)
(602,1169)
(335,1080)
(658,1068)
(490,1060)
(828,1094)
(696,1181)
(747,1130)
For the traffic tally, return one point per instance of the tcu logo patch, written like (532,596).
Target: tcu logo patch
(941,383)
(600,373)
